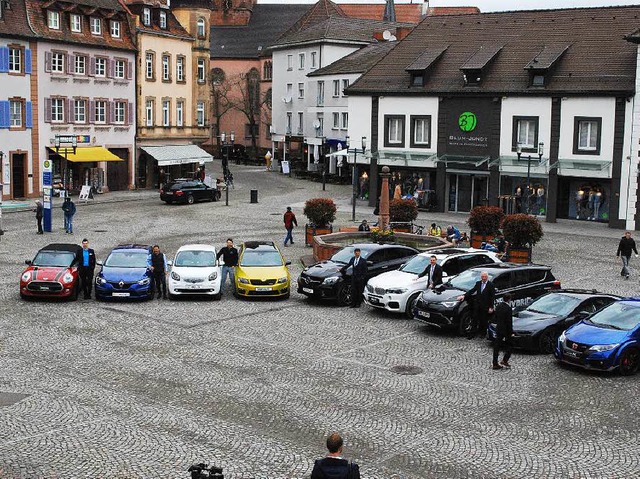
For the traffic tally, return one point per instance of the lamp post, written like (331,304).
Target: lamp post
(225,162)
(540,153)
(354,175)
(1,190)
(324,166)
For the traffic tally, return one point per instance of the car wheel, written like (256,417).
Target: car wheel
(411,303)
(218,195)
(344,295)
(216,297)
(547,342)
(25,297)
(168,202)
(190,199)
(629,361)
(170,296)
(465,328)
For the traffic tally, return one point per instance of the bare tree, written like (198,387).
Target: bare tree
(220,104)
(245,98)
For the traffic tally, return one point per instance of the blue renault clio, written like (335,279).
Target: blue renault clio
(608,340)
(125,274)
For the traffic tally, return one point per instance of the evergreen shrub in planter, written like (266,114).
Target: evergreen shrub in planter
(522,231)
(484,222)
(321,213)
(402,211)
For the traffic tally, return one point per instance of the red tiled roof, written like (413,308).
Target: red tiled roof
(452,10)
(174,27)
(405,12)
(14,22)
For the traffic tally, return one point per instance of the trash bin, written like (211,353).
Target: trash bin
(254,196)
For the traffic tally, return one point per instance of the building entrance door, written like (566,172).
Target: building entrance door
(467,191)
(17,175)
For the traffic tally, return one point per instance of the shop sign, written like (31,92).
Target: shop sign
(468,126)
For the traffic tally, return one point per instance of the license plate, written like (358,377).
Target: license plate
(264,289)
(120,295)
(44,288)
(168,193)
(194,286)
(308,290)
(572,354)
(422,314)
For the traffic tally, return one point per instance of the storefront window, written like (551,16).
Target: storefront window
(589,200)
(413,184)
(515,198)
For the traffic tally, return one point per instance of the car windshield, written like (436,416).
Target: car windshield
(556,304)
(467,279)
(416,265)
(345,254)
(60,259)
(261,258)
(127,259)
(618,315)
(196,259)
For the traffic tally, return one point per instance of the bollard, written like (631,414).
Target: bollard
(254,196)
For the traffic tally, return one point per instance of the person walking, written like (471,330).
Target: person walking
(625,247)
(334,466)
(158,266)
(289,221)
(230,257)
(504,332)
(484,295)
(69,209)
(433,272)
(87,267)
(359,272)
(39,210)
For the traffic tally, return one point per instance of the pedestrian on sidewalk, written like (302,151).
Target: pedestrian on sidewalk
(157,263)
(87,268)
(334,466)
(625,247)
(230,257)
(504,332)
(39,210)
(289,221)
(69,208)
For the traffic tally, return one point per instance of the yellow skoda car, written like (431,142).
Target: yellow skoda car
(262,271)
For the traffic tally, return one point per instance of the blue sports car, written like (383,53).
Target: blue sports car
(125,274)
(608,340)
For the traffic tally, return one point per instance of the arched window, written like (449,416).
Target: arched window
(253,88)
(202,28)
(217,76)
(267,70)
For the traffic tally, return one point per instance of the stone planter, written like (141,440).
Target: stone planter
(310,231)
(477,239)
(519,255)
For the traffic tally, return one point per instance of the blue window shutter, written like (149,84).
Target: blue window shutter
(29,106)
(4,59)
(27,61)
(4,114)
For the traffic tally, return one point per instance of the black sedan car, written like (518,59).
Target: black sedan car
(538,326)
(188,191)
(441,308)
(324,280)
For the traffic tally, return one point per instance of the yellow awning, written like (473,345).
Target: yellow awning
(86,154)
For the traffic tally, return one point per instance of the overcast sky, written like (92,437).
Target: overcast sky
(491,5)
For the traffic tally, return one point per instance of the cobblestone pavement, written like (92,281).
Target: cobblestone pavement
(119,390)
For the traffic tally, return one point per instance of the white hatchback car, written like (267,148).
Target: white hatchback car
(195,270)
(397,291)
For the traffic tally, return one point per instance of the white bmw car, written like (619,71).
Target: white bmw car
(195,271)
(397,291)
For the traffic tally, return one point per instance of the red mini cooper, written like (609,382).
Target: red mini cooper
(53,273)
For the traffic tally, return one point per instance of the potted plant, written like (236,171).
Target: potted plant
(403,211)
(484,222)
(521,231)
(321,213)
(382,236)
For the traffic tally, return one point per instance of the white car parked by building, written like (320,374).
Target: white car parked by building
(195,270)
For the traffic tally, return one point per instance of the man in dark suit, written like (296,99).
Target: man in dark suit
(87,267)
(484,295)
(504,332)
(433,272)
(359,272)
(334,466)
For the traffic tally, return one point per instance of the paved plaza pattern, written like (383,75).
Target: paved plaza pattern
(143,390)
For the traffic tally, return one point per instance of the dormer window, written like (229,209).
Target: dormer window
(540,67)
(202,25)
(474,68)
(417,79)
(472,77)
(146,16)
(75,22)
(420,66)
(163,20)
(115,29)
(53,20)
(96,26)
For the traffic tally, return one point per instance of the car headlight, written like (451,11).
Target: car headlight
(450,304)
(598,348)
(144,281)
(175,276)
(331,280)
(397,291)
(243,280)
(100,280)
(562,338)
(282,280)
(26,276)
(67,278)
(212,276)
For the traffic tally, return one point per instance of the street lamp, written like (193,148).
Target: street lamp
(540,153)
(225,161)
(324,166)
(354,174)
(1,192)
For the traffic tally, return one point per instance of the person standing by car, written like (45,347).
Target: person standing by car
(69,208)
(87,267)
(484,295)
(159,268)
(433,273)
(39,210)
(359,272)
(504,332)
(625,247)
(334,466)
(289,221)
(230,257)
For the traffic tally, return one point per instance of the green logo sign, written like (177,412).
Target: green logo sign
(467,121)
(47,164)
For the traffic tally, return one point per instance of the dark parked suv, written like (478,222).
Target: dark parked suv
(324,281)
(188,191)
(525,282)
